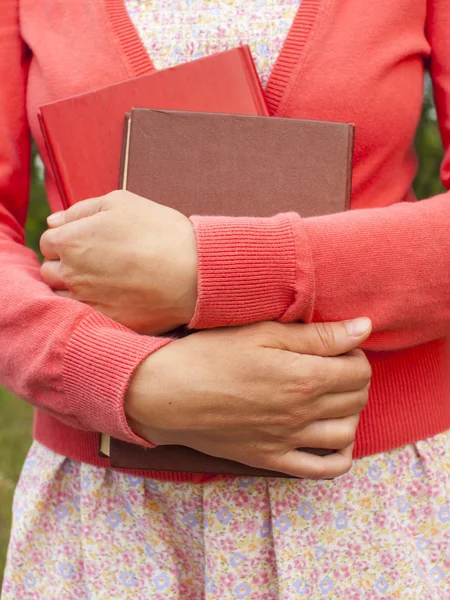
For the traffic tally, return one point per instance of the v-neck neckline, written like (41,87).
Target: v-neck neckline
(140,63)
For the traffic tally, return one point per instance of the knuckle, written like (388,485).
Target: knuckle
(362,365)
(308,377)
(348,433)
(359,369)
(57,237)
(365,371)
(307,386)
(66,242)
(43,242)
(45,270)
(339,435)
(67,276)
(326,335)
(290,420)
(48,239)
(347,463)
(363,398)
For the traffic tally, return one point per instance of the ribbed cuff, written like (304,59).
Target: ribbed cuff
(100,360)
(246,270)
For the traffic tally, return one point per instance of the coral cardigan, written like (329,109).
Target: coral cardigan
(355,60)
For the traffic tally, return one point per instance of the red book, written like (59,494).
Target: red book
(83,133)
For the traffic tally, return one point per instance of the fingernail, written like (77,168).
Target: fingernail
(56,218)
(357,327)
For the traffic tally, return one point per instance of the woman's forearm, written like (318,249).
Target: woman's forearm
(392,264)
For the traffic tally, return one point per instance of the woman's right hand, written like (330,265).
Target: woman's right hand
(254,394)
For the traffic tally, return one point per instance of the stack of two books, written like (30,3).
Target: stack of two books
(198,138)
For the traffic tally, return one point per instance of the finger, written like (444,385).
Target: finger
(310,466)
(331,434)
(324,339)
(49,245)
(80,210)
(339,406)
(64,293)
(347,373)
(324,375)
(63,242)
(51,274)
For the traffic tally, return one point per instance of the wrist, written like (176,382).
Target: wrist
(144,405)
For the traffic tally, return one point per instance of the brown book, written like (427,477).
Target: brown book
(204,163)
(236,165)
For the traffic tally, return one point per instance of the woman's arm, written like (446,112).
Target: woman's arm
(56,353)
(392,264)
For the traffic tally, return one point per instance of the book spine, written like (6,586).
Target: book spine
(351,145)
(254,82)
(124,152)
(53,162)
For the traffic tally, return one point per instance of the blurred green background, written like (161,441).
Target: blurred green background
(16,416)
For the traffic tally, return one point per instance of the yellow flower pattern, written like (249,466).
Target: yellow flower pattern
(380,532)
(88,533)
(175,31)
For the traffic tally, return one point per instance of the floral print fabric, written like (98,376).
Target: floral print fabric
(175,31)
(381,531)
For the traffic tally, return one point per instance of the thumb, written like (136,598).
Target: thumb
(326,339)
(80,210)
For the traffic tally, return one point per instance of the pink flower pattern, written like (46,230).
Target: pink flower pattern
(175,31)
(84,532)
(380,532)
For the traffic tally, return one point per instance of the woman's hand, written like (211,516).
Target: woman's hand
(131,259)
(254,394)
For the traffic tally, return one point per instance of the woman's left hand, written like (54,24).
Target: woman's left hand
(129,258)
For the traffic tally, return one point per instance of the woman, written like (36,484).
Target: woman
(253,392)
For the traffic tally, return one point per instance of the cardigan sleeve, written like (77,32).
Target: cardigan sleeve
(390,264)
(58,354)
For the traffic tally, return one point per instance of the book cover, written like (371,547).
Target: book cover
(205,163)
(237,165)
(83,133)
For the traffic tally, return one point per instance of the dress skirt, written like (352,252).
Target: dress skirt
(381,531)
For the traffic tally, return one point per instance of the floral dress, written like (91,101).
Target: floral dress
(82,532)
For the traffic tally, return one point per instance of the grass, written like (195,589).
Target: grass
(15,439)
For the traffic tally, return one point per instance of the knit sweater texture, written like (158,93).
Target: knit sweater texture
(388,258)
